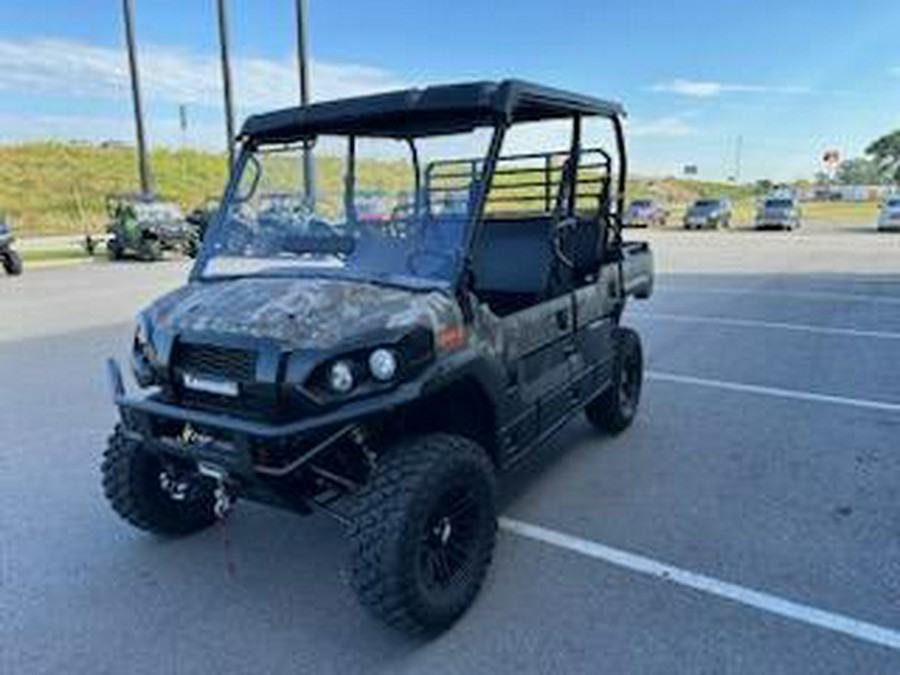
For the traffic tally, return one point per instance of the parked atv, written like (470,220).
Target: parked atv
(385,368)
(145,228)
(12,261)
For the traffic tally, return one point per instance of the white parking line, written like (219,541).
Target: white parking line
(775,325)
(774,391)
(766,602)
(772,293)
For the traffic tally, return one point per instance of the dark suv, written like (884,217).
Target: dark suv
(708,213)
(384,369)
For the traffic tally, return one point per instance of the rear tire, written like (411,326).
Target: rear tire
(115,250)
(423,533)
(12,263)
(132,482)
(615,409)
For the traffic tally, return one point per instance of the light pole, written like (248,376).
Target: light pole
(309,183)
(143,162)
(226,80)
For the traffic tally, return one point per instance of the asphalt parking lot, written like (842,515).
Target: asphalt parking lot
(748,523)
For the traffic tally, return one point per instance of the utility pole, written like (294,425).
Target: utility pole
(739,146)
(309,183)
(143,162)
(226,81)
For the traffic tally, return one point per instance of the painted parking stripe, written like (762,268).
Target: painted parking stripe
(885,406)
(773,325)
(766,602)
(785,294)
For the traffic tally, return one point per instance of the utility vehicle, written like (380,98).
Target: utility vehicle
(9,257)
(385,370)
(144,227)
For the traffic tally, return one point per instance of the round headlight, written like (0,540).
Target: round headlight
(340,377)
(383,364)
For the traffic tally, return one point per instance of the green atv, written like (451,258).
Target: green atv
(145,228)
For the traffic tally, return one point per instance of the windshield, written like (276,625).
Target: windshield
(704,204)
(372,217)
(893,203)
(779,204)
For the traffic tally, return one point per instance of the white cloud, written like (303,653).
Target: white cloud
(672,126)
(19,128)
(711,89)
(67,68)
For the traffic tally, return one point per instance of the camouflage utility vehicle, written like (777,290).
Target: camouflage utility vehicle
(12,261)
(383,370)
(144,227)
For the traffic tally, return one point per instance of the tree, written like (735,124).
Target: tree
(885,152)
(763,186)
(860,171)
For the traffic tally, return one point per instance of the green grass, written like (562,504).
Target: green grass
(853,212)
(50,188)
(48,254)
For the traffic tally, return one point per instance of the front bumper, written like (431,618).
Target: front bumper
(233,443)
(700,222)
(775,223)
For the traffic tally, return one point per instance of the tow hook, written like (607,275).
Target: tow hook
(222,497)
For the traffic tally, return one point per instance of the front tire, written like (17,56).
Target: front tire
(150,250)
(115,250)
(423,532)
(133,480)
(12,263)
(615,409)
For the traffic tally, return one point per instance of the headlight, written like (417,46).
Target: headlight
(142,343)
(143,355)
(383,364)
(340,377)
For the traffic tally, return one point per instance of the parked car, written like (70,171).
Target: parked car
(380,375)
(708,213)
(781,213)
(645,212)
(889,217)
(12,261)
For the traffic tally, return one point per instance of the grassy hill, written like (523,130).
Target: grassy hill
(50,188)
(57,189)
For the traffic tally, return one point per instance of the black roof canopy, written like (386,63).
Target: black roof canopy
(436,110)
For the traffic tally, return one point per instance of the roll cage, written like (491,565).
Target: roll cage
(556,188)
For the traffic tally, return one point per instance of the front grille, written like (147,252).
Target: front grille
(238,365)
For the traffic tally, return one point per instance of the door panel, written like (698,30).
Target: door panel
(540,341)
(591,362)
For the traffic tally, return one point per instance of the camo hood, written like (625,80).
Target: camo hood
(299,313)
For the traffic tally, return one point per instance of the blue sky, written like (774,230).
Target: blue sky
(791,78)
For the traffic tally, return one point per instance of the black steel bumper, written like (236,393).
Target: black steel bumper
(228,441)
